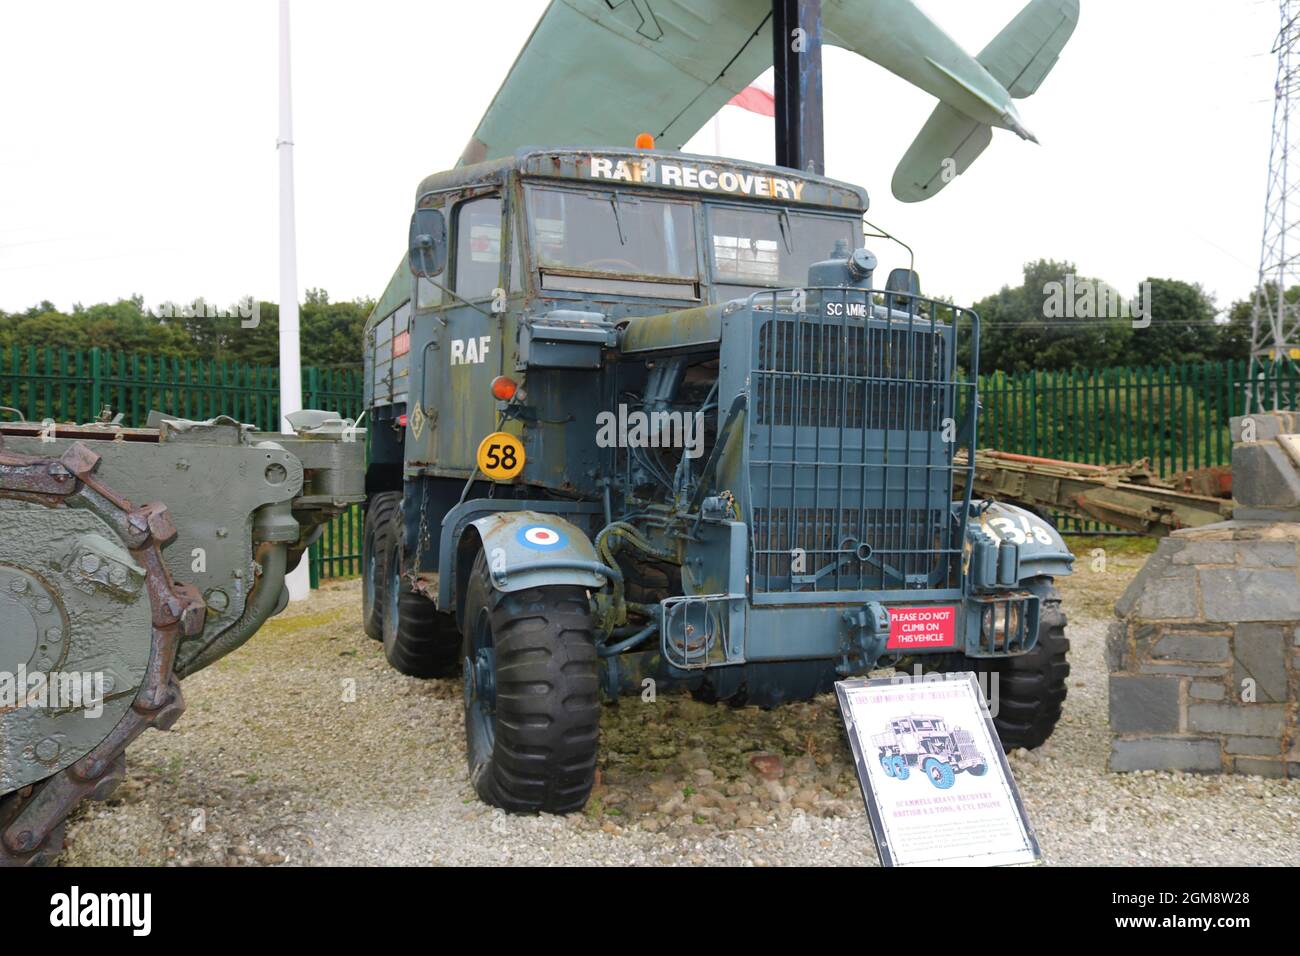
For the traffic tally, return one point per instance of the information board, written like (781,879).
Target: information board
(934,777)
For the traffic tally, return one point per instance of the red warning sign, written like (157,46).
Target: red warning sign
(916,628)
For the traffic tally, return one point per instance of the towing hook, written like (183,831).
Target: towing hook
(868,630)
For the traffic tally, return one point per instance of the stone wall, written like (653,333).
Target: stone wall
(1204,656)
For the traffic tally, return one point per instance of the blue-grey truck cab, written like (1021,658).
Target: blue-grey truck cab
(644,416)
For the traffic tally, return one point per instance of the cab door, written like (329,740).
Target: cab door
(471,355)
(907,739)
(455,344)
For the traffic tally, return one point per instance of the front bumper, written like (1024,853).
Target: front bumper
(719,630)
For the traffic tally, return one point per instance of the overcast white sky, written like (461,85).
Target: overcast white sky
(137,144)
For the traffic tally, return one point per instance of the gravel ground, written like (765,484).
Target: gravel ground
(304,747)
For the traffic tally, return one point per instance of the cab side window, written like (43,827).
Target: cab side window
(478,247)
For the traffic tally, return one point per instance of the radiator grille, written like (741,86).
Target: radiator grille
(909,540)
(819,373)
(851,442)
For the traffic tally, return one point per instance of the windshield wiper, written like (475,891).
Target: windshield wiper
(783,220)
(618,219)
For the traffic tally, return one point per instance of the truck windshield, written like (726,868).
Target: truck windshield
(773,248)
(612,233)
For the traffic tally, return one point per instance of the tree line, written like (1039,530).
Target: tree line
(1054,319)
(247,332)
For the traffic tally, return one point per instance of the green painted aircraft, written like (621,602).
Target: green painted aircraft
(602,71)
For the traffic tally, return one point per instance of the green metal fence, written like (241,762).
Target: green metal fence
(68,385)
(338,552)
(1175,415)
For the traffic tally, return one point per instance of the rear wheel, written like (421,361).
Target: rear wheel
(531,707)
(419,640)
(375,546)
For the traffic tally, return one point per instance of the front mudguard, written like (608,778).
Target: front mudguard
(528,549)
(1008,546)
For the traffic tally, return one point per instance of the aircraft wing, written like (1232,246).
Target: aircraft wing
(601,71)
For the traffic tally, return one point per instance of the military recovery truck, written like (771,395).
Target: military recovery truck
(640,416)
(129,559)
(924,741)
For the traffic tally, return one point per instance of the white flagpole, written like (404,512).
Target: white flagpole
(298,581)
(717,133)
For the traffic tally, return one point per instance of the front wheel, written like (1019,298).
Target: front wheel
(940,773)
(532,710)
(1030,688)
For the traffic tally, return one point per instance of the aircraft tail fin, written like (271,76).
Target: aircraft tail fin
(947,144)
(1021,56)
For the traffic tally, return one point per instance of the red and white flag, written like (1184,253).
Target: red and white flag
(756,100)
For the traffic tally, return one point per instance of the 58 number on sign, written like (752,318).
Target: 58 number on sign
(501,456)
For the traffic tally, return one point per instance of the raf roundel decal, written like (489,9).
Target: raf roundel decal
(542,538)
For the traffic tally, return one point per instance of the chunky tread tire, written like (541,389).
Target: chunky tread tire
(419,640)
(546,724)
(1031,687)
(376,545)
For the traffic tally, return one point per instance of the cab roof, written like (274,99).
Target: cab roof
(681,173)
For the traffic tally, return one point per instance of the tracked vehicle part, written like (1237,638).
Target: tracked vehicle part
(246,506)
(92,571)
(89,596)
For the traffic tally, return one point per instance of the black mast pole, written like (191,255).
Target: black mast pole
(797,58)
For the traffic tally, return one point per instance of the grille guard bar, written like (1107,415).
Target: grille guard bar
(856,399)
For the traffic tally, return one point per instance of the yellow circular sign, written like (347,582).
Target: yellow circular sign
(501,456)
